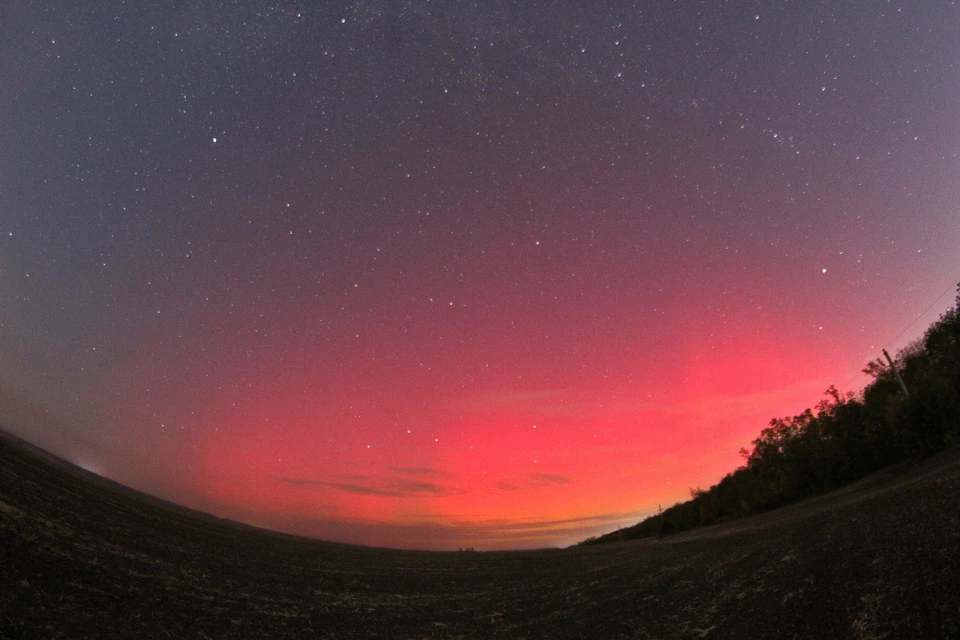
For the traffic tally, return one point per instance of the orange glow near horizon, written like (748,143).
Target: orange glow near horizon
(493,468)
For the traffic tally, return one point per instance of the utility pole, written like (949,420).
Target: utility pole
(903,385)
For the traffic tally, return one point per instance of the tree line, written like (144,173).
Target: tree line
(843,438)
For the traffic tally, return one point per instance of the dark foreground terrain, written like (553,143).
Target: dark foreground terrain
(79,558)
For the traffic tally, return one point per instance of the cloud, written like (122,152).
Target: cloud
(441,531)
(534,481)
(301,481)
(546,479)
(421,471)
(379,485)
(517,526)
(394,488)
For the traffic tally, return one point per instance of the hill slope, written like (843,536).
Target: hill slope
(878,559)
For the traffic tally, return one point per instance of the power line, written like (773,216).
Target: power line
(921,314)
(954,283)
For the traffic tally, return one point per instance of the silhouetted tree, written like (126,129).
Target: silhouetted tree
(843,438)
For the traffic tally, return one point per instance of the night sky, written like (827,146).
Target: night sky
(432,275)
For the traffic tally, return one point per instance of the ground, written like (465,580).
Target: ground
(81,558)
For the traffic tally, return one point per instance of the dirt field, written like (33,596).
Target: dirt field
(79,558)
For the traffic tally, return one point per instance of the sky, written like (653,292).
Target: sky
(434,275)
